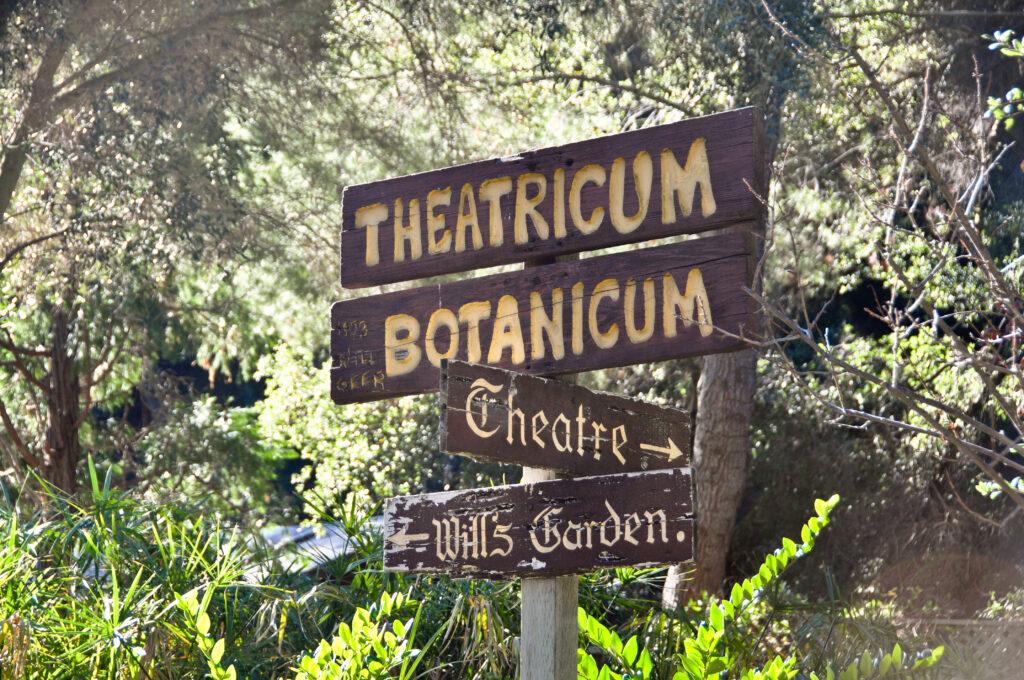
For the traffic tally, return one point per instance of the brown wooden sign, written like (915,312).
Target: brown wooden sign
(636,519)
(491,414)
(659,303)
(684,177)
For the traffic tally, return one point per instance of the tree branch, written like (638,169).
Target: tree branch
(973,239)
(13,252)
(12,433)
(32,117)
(639,92)
(204,25)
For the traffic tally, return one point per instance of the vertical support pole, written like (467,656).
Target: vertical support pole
(549,635)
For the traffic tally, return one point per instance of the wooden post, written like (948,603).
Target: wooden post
(549,636)
(548,632)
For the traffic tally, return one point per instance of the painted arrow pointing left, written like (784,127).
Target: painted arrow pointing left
(403,539)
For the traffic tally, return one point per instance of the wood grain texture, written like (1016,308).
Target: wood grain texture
(734,147)
(547,528)
(491,414)
(549,628)
(367,365)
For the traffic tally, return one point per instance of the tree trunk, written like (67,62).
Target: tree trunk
(63,449)
(721,450)
(32,119)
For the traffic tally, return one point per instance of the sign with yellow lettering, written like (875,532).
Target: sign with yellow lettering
(491,414)
(634,519)
(684,177)
(658,303)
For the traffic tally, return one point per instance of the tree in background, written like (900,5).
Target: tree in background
(935,203)
(212,240)
(121,219)
(550,74)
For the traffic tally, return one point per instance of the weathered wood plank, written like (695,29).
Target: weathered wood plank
(648,305)
(556,527)
(491,414)
(694,175)
(549,629)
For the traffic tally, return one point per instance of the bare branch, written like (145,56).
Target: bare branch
(16,250)
(973,239)
(12,434)
(614,84)
(925,14)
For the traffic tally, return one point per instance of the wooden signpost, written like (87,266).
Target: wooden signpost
(664,302)
(658,303)
(680,178)
(548,528)
(491,414)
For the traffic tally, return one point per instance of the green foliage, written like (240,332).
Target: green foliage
(102,603)
(197,622)
(374,451)
(202,449)
(892,665)
(1008,107)
(726,641)
(123,219)
(377,644)
(713,647)
(114,588)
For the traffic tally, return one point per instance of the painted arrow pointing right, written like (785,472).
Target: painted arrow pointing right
(672,451)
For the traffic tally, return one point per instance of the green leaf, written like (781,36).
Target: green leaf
(716,665)
(203,624)
(586,665)
(630,651)
(646,664)
(865,663)
(736,596)
(716,618)
(615,643)
(930,660)
(692,666)
(218,651)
